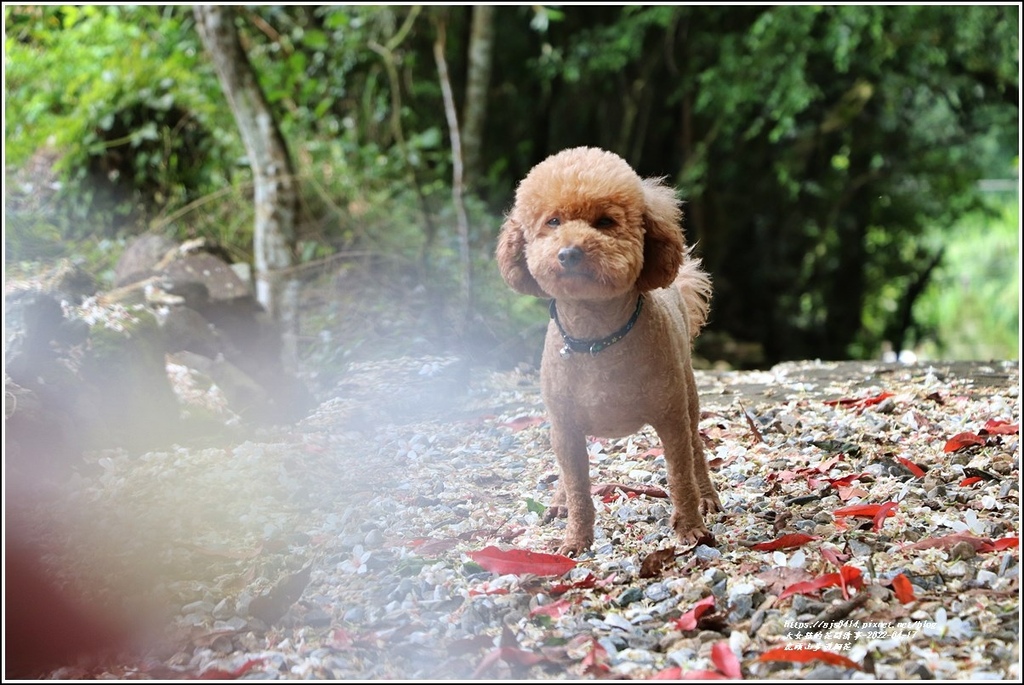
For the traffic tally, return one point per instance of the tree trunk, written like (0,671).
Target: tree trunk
(457,174)
(275,196)
(474,113)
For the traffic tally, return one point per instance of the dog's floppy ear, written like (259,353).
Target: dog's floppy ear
(663,236)
(511,256)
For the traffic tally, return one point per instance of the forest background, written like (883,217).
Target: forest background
(850,173)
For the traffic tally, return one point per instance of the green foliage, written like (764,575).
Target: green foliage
(820,149)
(834,137)
(122,96)
(971,310)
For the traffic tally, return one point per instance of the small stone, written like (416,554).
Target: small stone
(657,592)
(354,615)
(631,595)
(373,539)
(860,549)
(194,619)
(740,607)
(233,623)
(633,655)
(198,607)
(962,550)
(804,605)
(706,636)
(681,657)
(822,673)
(317,618)
(224,609)
(920,671)
(959,569)
(705,553)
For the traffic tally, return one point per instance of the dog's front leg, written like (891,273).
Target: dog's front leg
(684,488)
(573,488)
(709,501)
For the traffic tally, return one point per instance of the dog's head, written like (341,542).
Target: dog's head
(585,226)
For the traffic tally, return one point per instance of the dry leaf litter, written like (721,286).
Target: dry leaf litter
(340,547)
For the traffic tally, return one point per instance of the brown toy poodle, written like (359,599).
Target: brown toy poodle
(627,299)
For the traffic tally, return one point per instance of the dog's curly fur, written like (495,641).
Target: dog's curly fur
(588,232)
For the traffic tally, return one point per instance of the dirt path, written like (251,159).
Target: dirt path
(349,545)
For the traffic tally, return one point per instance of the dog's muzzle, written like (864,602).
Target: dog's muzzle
(570,257)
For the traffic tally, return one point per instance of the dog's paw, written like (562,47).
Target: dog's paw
(575,545)
(709,504)
(690,530)
(555,511)
(698,535)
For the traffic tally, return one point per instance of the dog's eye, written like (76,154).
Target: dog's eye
(554,221)
(604,222)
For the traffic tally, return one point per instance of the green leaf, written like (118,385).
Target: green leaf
(535,506)
(315,39)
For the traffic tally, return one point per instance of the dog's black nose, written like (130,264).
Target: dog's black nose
(570,256)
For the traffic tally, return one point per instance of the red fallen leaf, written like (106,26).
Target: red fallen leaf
(962,440)
(509,652)
(221,674)
(609,489)
(341,639)
(486,589)
(751,425)
(511,655)
(1005,543)
(725,661)
(860,402)
(520,561)
(583,584)
(595,661)
(846,480)
(654,563)
(688,621)
(970,481)
(946,541)
(833,557)
(848,576)
(431,546)
(469,645)
(652,452)
(883,511)
(848,493)
(785,542)
(702,675)
(863,510)
(904,592)
(997,427)
(553,610)
(676,673)
(778,578)
(912,467)
(272,605)
(523,422)
(824,466)
(784,476)
(804,653)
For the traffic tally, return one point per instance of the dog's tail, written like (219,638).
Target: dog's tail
(694,285)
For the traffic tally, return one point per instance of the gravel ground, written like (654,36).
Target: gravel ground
(349,546)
